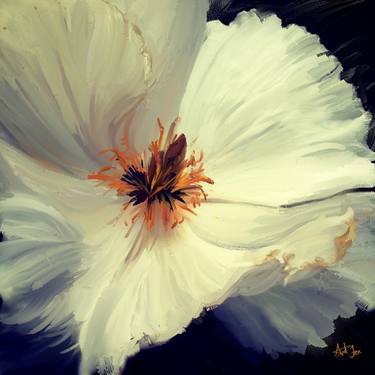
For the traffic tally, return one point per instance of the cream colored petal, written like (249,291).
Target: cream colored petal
(277,124)
(264,313)
(86,206)
(303,238)
(72,73)
(124,306)
(175,49)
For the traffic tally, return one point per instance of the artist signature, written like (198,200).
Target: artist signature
(346,350)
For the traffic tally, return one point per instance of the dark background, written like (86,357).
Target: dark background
(346,29)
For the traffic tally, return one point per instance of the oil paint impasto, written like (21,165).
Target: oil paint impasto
(158,165)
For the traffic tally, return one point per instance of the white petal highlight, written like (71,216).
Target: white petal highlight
(124,306)
(275,121)
(72,73)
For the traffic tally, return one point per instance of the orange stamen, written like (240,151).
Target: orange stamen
(162,185)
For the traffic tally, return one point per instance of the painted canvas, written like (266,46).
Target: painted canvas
(187,187)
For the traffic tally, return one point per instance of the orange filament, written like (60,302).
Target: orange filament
(160,184)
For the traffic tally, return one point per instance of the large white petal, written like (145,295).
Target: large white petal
(72,72)
(184,25)
(40,258)
(124,305)
(276,122)
(287,319)
(86,206)
(265,313)
(307,236)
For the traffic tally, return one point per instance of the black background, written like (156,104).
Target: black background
(346,29)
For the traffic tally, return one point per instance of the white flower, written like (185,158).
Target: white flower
(283,141)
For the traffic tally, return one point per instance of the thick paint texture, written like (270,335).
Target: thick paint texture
(283,237)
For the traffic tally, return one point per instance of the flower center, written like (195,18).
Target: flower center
(160,185)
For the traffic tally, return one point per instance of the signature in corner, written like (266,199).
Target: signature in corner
(346,350)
